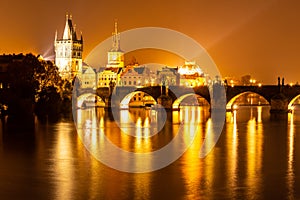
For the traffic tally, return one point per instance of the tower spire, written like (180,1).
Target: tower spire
(67,30)
(55,36)
(116,26)
(116,38)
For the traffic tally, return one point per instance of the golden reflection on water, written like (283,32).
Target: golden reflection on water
(63,164)
(192,118)
(236,168)
(209,162)
(192,170)
(290,165)
(254,153)
(232,145)
(244,137)
(90,167)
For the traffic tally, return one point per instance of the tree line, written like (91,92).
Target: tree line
(34,86)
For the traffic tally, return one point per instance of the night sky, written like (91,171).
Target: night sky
(260,38)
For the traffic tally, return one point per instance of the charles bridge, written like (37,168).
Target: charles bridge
(279,97)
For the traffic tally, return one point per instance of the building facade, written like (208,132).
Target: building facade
(135,76)
(167,76)
(68,51)
(108,76)
(191,75)
(88,78)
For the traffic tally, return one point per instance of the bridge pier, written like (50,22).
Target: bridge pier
(279,104)
(165,101)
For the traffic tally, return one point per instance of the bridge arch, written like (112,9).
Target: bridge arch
(290,106)
(233,99)
(89,98)
(124,104)
(177,102)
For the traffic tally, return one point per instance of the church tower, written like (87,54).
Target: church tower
(68,51)
(115,57)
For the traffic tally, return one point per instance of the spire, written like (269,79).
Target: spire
(81,37)
(74,35)
(116,38)
(116,27)
(67,32)
(55,38)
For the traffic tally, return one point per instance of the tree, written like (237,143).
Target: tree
(54,94)
(47,75)
(34,83)
(20,95)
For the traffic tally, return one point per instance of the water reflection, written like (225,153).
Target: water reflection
(255,158)
(290,165)
(232,145)
(63,167)
(254,153)
(193,170)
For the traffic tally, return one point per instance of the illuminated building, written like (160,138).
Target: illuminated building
(68,51)
(167,76)
(191,75)
(135,76)
(108,76)
(88,78)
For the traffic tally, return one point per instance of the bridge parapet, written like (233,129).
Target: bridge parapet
(269,92)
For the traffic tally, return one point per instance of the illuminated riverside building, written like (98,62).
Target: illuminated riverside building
(191,75)
(108,76)
(68,51)
(135,76)
(167,76)
(88,78)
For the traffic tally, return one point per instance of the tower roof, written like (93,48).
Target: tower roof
(69,31)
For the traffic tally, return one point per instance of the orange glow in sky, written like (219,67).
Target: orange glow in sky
(260,38)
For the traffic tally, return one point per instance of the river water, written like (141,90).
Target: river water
(256,157)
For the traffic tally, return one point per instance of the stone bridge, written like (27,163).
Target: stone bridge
(279,97)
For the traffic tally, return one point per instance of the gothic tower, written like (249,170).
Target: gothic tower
(68,51)
(115,57)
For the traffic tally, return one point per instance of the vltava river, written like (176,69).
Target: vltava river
(256,157)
